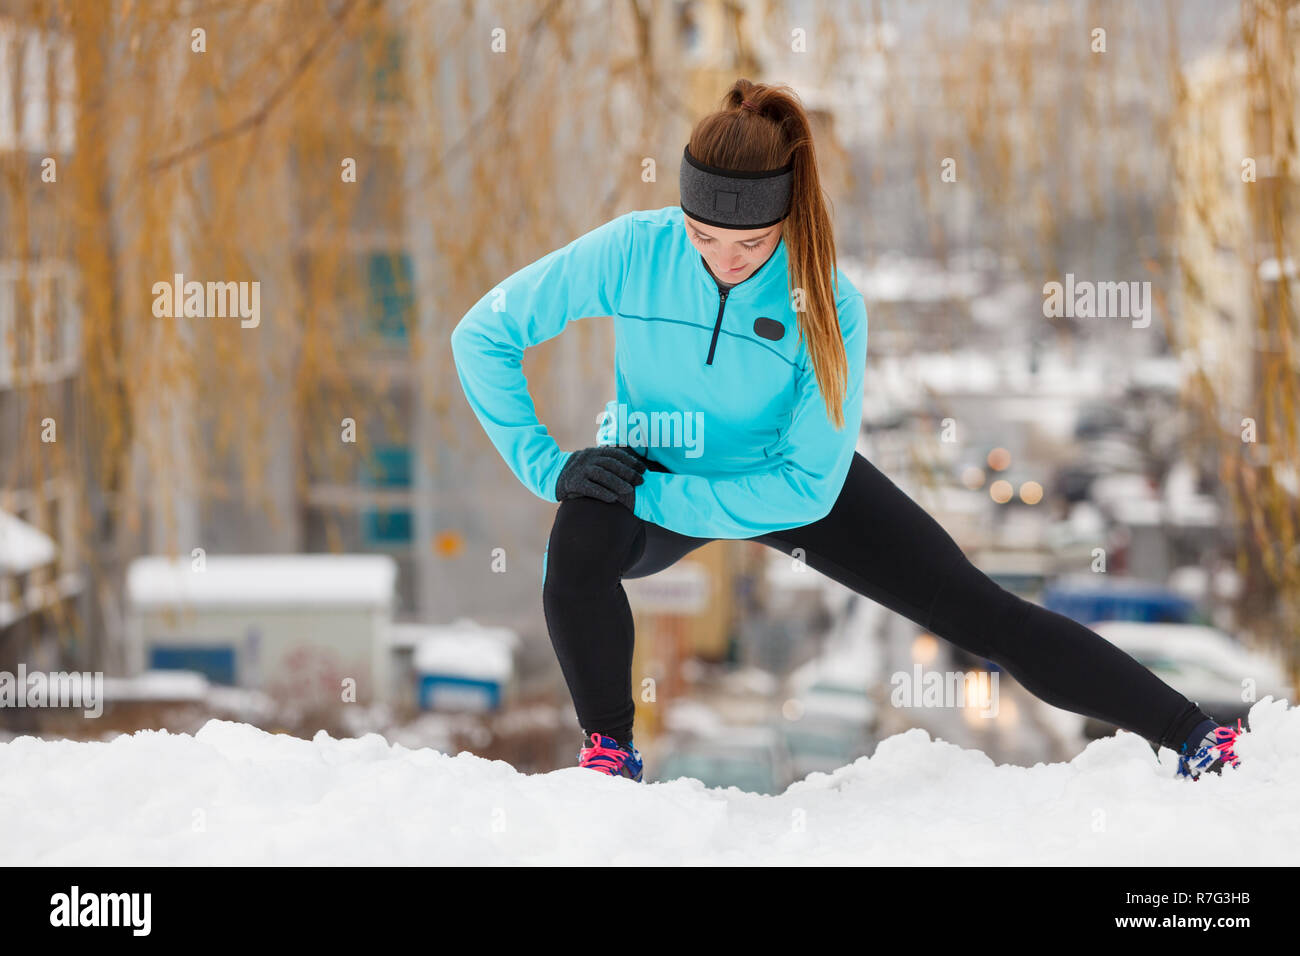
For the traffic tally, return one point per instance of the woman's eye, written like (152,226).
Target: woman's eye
(755,245)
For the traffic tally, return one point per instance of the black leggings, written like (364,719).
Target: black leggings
(876,541)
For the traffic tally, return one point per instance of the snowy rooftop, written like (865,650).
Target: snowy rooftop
(337,580)
(408,634)
(464,655)
(277,799)
(157,685)
(22,547)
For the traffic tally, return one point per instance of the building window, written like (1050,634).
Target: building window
(8,329)
(39,321)
(688,29)
(38,84)
(384,528)
(392,295)
(385,53)
(389,468)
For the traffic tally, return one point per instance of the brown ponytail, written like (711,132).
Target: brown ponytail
(775,132)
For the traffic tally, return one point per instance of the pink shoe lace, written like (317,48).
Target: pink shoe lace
(604,755)
(1224,740)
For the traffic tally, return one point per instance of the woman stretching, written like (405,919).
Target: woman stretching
(737,335)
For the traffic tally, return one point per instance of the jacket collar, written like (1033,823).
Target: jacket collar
(776,266)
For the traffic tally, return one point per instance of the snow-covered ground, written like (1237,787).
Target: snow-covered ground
(232,794)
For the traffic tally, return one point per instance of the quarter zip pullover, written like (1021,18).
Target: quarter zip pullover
(766,456)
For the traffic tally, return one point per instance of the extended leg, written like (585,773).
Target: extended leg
(879,542)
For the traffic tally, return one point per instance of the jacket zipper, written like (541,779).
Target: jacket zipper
(722,304)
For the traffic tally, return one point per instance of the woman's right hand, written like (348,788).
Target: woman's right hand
(606,472)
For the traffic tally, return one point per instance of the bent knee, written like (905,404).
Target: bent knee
(591,541)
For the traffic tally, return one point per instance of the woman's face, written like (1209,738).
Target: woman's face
(733,254)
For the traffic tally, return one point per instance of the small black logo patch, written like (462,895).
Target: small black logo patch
(769,328)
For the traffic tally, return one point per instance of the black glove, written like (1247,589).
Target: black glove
(650,463)
(606,472)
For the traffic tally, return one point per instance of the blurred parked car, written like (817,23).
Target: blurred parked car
(1096,419)
(829,721)
(1204,663)
(1098,597)
(1108,454)
(752,759)
(817,744)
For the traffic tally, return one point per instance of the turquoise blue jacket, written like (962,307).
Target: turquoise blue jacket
(718,388)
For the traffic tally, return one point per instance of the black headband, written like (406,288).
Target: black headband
(733,199)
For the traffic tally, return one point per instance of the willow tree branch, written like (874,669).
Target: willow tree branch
(260,115)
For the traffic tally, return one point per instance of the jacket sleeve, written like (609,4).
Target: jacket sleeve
(584,278)
(805,473)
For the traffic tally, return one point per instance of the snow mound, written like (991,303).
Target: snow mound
(233,794)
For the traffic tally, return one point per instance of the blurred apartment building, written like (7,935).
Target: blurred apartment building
(422,238)
(1229,128)
(1238,213)
(425,227)
(41,572)
(1054,165)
